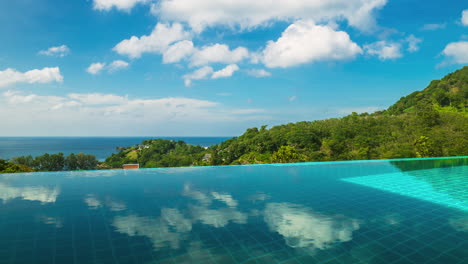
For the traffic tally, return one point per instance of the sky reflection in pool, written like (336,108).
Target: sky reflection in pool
(354,212)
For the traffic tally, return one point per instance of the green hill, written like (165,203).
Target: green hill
(449,94)
(427,123)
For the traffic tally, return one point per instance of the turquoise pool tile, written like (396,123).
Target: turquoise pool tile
(392,211)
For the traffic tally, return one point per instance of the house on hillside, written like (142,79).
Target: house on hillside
(131,166)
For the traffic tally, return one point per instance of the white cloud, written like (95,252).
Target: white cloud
(95,68)
(225,198)
(178,51)
(456,52)
(124,5)
(464,19)
(109,114)
(305,42)
(247,14)
(258,73)
(432,27)
(45,75)
(413,43)
(94,203)
(384,50)
(30,193)
(98,99)
(218,53)
(207,72)
(157,42)
(173,224)
(98,67)
(167,230)
(117,65)
(292,98)
(217,217)
(59,51)
(304,228)
(199,74)
(226,72)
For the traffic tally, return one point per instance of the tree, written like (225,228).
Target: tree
(71,162)
(86,162)
(287,154)
(423,147)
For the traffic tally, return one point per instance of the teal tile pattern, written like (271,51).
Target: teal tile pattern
(444,186)
(393,211)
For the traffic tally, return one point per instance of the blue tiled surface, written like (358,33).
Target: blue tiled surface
(447,186)
(406,211)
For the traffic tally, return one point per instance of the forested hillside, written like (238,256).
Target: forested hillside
(428,123)
(447,95)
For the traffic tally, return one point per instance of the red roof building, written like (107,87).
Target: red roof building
(131,166)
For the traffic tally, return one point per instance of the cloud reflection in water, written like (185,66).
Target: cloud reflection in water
(31,193)
(303,228)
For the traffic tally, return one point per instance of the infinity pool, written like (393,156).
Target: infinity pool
(399,211)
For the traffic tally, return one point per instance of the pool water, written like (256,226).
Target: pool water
(398,211)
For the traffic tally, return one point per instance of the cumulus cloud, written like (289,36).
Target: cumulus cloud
(170,227)
(94,203)
(217,217)
(30,193)
(157,42)
(464,18)
(305,42)
(98,67)
(199,74)
(199,196)
(225,198)
(226,72)
(413,43)
(178,51)
(384,50)
(258,73)
(124,5)
(117,65)
(207,72)
(303,228)
(95,68)
(248,14)
(59,51)
(218,53)
(45,75)
(174,224)
(456,52)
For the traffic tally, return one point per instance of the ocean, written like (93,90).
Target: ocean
(101,147)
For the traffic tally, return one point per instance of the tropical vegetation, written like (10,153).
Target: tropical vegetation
(428,123)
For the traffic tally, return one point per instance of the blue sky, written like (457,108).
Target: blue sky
(215,67)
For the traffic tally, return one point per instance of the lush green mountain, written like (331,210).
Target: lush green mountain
(448,94)
(432,122)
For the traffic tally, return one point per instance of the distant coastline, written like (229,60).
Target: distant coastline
(101,147)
